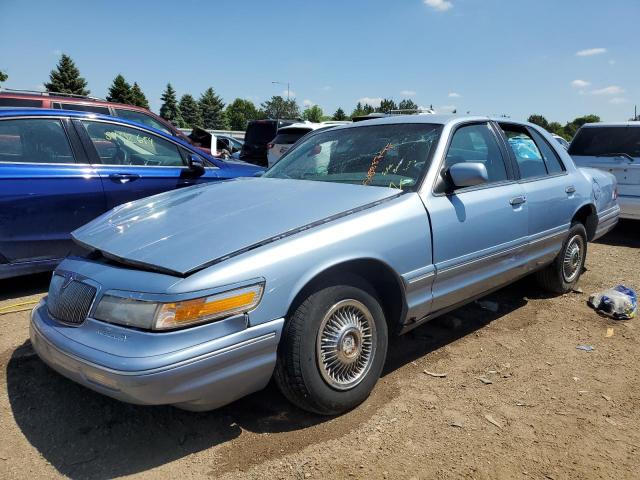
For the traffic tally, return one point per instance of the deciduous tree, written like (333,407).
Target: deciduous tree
(313,114)
(278,107)
(240,112)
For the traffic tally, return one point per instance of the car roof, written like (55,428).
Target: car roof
(431,119)
(48,112)
(308,125)
(630,123)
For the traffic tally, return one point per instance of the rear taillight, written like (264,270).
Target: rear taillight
(270,146)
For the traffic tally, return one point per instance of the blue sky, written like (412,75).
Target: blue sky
(560,58)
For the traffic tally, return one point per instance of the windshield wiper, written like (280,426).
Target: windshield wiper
(624,155)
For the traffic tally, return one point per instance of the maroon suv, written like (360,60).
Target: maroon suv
(64,101)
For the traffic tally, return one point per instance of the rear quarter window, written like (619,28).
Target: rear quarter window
(290,136)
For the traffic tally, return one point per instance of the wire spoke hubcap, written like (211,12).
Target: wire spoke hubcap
(572,259)
(346,344)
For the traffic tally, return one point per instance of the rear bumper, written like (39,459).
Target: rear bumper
(629,207)
(607,220)
(233,367)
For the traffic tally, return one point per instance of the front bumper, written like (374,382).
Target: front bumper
(207,376)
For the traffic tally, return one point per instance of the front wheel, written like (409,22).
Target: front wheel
(563,274)
(333,349)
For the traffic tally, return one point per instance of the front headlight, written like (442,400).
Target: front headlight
(166,316)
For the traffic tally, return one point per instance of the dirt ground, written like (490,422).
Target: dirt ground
(518,401)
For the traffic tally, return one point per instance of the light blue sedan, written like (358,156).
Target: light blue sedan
(200,296)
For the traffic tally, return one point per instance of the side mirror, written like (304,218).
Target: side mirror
(196,164)
(468,174)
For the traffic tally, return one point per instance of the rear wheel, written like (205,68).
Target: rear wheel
(333,349)
(563,274)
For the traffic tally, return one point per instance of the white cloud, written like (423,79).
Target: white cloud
(407,93)
(326,88)
(308,103)
(439,5)
(612,90)
(291,93)
(454,95)
(612,62)
(373,101)
(446,108)
(618,100)
(580,83)
(591,51)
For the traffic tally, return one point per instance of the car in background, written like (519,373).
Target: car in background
(61,169)
(561,140)
(259,133)
(303,274)
(287,136)
(64,101)
(615,148)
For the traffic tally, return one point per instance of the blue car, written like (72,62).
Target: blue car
(60,169)
(357,233)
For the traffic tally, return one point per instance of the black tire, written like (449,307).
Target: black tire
(554,277)
(299,374)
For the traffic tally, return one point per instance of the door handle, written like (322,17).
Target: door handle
(123,177)
(518,200)
(570,189)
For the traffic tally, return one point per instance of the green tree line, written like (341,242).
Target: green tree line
(209,110)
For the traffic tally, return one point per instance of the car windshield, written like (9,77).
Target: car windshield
(393,155)
(593,141)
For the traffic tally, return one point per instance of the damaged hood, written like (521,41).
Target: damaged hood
(183,230)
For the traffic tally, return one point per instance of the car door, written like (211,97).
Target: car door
(47,189)
(549,191)
(134,162)
(479,233)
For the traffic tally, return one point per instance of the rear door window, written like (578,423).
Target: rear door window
(123,145)
(79,107)
(142,118)
(34,140)
(20,102)
(594,141)
(551,158)
(528,156)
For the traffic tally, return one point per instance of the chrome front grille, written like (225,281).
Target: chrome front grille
(69,300)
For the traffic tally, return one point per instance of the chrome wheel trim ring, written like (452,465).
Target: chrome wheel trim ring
(346,344)
(572,260)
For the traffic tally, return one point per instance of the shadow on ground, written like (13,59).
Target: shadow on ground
(626,234)
(86,435)
(24,286)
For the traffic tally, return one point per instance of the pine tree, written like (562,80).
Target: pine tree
(339,115)
(120,91)
(66,78)
(190,111)
(3,76)
(386,105)
(170,110)
(407,104)
(212,108)
(137,96)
